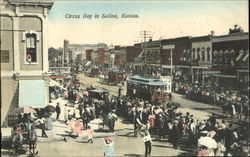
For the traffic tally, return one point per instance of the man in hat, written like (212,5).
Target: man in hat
(58,110)
(147,141)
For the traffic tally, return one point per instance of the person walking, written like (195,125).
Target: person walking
(137,124)
(58,111)
(78,128)
(90,133)
(41,124)
(174,135)
(109,149)
(147,142)
(85,119)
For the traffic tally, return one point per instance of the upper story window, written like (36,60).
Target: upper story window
(193,53)
(198,54)
(208,54)
(5,56)
(31,52)
(203,54)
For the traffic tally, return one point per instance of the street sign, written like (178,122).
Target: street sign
(168,47)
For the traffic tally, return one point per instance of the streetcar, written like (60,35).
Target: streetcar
(150,89)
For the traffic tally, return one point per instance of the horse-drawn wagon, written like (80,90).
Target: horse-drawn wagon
(115,77)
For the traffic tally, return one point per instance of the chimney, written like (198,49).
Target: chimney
(212,33)
(235,26)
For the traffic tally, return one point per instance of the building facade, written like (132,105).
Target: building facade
(24,54)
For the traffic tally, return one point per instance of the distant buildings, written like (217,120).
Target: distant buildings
(72,50)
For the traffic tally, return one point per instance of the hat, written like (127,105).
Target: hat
(107,140)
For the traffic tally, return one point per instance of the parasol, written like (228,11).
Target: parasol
(208,142)
(25,109)
(50,108)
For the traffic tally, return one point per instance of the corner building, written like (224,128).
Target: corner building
(24,54)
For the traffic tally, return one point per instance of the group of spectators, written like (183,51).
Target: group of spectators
(84,108)
(165,121)
(232,102)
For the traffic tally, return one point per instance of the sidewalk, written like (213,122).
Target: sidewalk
(59,127)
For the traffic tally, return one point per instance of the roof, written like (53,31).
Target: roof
(48,3)
(148,81)
(179,38)
(201,38)
(99,90)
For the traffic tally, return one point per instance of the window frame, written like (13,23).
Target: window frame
(27,36)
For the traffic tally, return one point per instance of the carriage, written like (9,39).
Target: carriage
(100,94)
(23,139)
(147,88)
(93,72)
(116,77)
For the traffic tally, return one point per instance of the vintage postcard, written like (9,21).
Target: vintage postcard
(124,78)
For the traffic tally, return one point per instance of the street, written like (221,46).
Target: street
(125,143)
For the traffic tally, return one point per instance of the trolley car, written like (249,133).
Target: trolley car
(147,88)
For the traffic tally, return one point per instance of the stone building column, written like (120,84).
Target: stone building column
(16,41)
(45,41)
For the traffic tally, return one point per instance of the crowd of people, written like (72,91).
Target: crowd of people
(234,103)
(166,121)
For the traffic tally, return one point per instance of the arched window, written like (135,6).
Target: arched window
(203,53)
(31,54)
(183,55)
(193,53)
(208,54)
(198,54)
(188,55)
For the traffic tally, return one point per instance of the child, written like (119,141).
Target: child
(90,133)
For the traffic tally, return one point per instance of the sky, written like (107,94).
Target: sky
(163,19)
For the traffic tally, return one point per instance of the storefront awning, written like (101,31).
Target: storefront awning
(225,76)
(54,83)
(32,93)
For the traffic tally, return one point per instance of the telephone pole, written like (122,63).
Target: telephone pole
(145,35)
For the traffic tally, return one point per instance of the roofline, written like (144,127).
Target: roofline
(33,3)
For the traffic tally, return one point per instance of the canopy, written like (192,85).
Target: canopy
(32,93)
(54,83)
(208,142)
(99,91)
(25,109)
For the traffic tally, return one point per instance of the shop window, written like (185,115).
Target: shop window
(31,53)
(208,54)
(5,56)
(203,54)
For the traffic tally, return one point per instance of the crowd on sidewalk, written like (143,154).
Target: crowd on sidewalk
(231,101)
